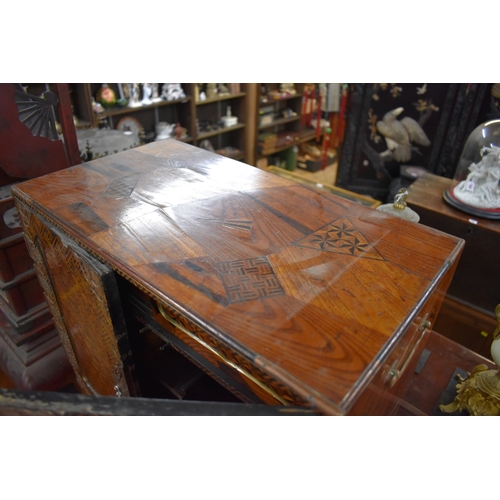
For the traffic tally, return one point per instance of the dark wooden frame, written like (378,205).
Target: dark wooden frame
(460,113)
(37,403)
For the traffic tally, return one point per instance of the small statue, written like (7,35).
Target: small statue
(222,90)
(211,90)
(399,207)
(206,144)
(172,91)
(229,120)
(287,89)
(134,95)
(179,131)
(97,106)
(147,91)
(481,187)
(123,91)
(163,130)
(155,97)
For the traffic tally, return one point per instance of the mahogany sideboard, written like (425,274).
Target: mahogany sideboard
(168,264)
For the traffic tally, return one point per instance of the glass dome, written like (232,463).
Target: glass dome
(475,188)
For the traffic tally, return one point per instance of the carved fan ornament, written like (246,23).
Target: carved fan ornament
(37,113)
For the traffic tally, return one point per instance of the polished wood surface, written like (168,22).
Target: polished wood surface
(314,290)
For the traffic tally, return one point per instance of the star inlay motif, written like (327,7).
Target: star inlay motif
(340,236)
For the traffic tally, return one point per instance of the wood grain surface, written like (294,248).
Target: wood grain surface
(312,288)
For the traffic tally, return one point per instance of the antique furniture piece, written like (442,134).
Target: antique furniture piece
(31,353)
(467,314)
(282,294)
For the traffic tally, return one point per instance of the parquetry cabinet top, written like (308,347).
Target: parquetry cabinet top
(313,286)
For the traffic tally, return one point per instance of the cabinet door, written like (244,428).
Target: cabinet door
(83,297)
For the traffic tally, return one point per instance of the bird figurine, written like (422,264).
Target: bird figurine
(399,134)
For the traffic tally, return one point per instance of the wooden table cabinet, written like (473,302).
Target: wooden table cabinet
(467,316)
(168,264)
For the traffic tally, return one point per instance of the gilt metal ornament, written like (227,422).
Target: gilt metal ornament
(479,392)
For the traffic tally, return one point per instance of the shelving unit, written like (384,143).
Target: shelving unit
(209,113)
(296,138)
(221,98)
(174,111)
(201,118)
(278,122)
(219,132)
(285,128)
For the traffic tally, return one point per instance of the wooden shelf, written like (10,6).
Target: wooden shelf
(270,100)
(280,121)
(301,137)
(222,98)
(219,131)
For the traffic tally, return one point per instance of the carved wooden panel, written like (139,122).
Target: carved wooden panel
(446,113)
(78,288)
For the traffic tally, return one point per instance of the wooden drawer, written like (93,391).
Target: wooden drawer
(240,376)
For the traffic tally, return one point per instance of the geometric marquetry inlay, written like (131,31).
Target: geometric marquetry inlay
(121,187)
(249,279)
(340,236)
